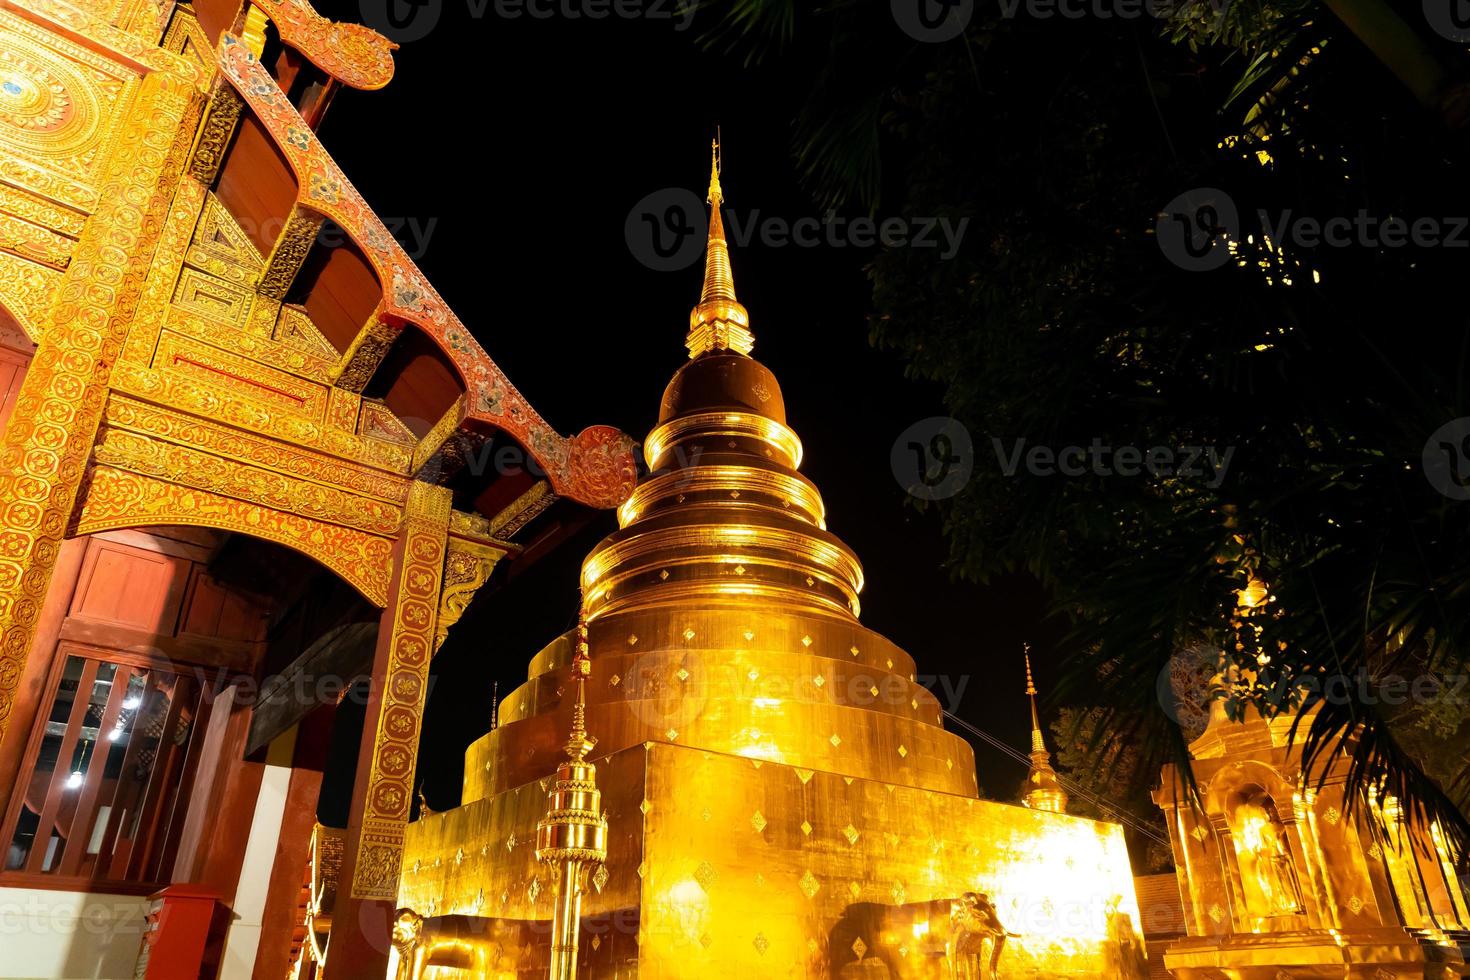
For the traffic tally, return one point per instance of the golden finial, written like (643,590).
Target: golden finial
(494,705)
(715,195)
(573,834)
(580,743)
(719,323)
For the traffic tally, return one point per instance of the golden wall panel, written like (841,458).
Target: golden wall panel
(295,329)
(116,498)
(479,859)
(206,471)
(745,679)
(213,297)
(26,290)
(185,38)
(750,868)
(380,424)
(221,248)
(59,108)
(268,352)
(201,399)
(161,423)
(215,368)
(33,242)
(38,210)
(105,37)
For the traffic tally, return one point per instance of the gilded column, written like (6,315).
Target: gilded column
(383,789)
(59,406)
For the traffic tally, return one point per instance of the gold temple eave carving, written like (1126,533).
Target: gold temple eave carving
(595,467)
(117,499)
(351,53)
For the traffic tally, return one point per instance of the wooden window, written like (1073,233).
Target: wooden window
(105,783)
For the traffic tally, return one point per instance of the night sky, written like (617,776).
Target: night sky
(521,146)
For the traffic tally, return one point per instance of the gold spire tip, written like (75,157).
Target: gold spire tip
(1030,684)
(716,194)
(718,322)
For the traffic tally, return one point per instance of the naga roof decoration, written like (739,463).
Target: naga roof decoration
(594,467)
(351,53)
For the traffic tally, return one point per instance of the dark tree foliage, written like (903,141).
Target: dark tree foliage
(1322,369)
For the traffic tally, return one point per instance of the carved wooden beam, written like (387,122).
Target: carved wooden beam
(365,354)
(444,449)
(522,510)
(221,117)
(289,252)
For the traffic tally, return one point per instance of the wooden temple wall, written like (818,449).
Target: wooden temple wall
(187,363)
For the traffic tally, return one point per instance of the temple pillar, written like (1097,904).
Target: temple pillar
(59,407)
(383,790)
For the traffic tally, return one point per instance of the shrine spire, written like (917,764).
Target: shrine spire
(1043,787)
(1038,741)
(719,323)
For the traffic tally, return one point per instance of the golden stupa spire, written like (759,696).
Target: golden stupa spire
(1043,788)
(573,834)
(719,323)
(1038,743)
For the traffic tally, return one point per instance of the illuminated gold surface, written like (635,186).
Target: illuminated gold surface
(1277,876)
(724,866)
(1282,875)
(781,795)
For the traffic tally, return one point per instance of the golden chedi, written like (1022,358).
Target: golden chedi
(781,796)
